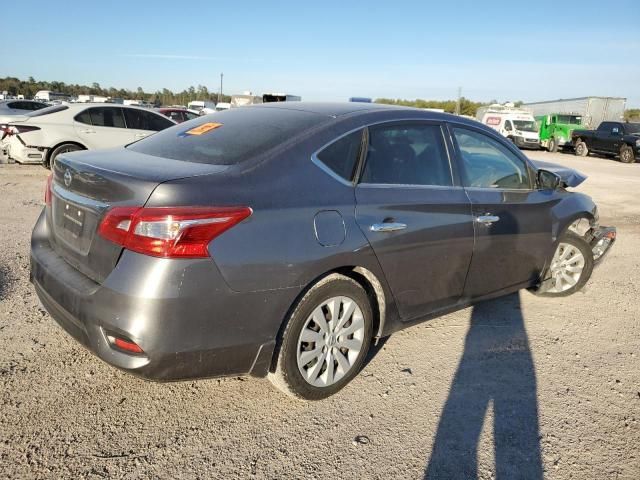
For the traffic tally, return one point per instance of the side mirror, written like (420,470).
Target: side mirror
(548,180)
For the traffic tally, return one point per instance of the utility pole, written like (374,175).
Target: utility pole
(220,94)
(458,101)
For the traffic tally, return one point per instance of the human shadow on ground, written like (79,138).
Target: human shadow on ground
(496,370)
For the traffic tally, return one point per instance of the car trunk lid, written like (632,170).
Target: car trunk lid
(86,184)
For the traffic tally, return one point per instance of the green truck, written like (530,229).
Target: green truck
(556,128)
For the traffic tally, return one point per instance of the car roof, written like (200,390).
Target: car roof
(332,109)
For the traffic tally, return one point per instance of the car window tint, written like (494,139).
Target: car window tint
(141,120)
(107,117)
(236,135)
(342,155)
(488,164)
(83,117)
(407,155)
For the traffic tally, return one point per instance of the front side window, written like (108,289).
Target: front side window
(410,154)
(489,164)
(341,156)
(107,117)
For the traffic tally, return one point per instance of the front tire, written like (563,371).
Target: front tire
(571,267)
(581,149)
(64,148)
(626,154)
(552,146)
(325,341)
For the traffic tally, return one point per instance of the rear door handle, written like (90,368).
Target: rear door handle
(87,131)
(388,227)
(487,219)
(141,135)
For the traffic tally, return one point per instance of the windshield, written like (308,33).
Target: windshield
(570,119)
(526,125)
(632,127)
(232,137)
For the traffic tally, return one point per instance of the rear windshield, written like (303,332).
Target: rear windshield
(228,137)
(47,111)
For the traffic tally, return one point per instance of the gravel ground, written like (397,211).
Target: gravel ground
(519,387)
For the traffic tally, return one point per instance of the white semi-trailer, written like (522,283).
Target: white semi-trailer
(593,110)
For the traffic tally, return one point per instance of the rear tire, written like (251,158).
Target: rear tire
(626,154)
(552,146)
(570,268)
(581,149)
(64,148)
(325,341)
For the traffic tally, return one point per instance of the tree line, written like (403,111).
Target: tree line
(29,87)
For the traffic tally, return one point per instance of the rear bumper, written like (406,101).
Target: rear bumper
(188,323)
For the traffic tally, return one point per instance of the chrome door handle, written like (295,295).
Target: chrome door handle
(487,219)
(388,227)
(141,135)
(87,131)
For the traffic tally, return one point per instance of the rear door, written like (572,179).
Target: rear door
(142,123)
(415,215)
(101,127)
(512,219)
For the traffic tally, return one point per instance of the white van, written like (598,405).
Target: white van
(516,124)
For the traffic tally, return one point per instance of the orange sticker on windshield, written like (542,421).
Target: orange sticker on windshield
(204,128)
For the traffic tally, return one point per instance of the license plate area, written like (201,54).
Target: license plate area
(73,219)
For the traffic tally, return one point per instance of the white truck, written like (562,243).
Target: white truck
(517,124)
(198,105)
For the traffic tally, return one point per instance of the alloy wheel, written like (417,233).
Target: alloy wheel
(566,268)
(330,341)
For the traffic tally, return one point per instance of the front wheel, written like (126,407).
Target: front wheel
(570,268)
(325,341)
(626,154)
(581,149)
(552,146)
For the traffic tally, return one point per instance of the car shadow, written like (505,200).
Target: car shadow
(496,371)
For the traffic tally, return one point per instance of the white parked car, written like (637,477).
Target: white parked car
(40,136)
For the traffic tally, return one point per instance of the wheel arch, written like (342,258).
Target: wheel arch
(59,144)
(366,279)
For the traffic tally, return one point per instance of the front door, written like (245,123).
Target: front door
(512,219)
(417,220)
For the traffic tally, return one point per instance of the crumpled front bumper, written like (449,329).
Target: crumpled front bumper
(602,240)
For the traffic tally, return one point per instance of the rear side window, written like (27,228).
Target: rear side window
(410,154)
(342,155)
(83,117)
(107,117)
(229,137)
(141,120)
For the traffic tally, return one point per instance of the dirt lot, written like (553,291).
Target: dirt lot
(515,388)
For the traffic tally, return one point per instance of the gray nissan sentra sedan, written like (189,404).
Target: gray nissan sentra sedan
(281,240)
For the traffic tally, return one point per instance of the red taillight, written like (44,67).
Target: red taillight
(170,232)
(47,190)
(16,129)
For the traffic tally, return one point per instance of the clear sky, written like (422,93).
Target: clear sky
(331,50)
